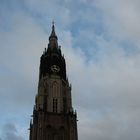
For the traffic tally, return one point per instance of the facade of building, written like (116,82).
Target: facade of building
(53,114)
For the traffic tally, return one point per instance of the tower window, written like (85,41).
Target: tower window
(55,89)
(48,137)
(64,104)
(54,105)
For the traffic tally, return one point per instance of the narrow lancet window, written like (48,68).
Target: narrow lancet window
(54,105)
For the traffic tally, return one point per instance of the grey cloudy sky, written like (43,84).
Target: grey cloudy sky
(100,40)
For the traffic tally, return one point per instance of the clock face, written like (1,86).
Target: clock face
(55,68)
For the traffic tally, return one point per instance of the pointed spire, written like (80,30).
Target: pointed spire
(53,34)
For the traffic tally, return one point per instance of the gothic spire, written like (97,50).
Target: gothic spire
(53,34)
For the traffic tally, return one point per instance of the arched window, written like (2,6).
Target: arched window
(61,136)
(55,137)
(64,104)
(55,89)
(48,136)
(54,105)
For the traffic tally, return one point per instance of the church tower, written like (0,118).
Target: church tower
(53,114)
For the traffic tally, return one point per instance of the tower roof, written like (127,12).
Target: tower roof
(53,34)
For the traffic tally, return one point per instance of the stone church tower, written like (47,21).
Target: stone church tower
(53,114)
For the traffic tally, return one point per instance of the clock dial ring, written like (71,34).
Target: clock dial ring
(55,68)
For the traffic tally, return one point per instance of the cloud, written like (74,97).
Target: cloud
(105,92)
(19,46)
(121,18)
(102,67)
(21,43)
(10,132)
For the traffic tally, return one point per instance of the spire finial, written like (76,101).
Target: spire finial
(53,22)
(53,27)
(53,35)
